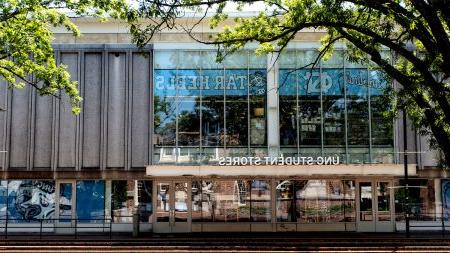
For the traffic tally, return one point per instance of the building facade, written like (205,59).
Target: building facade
(253,144)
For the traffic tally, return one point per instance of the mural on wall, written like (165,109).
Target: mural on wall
(31,200)
(446,198)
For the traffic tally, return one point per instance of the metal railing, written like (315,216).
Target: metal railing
(56,227)
(426,221)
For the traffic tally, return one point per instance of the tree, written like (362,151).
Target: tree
(417,32)
(26,54)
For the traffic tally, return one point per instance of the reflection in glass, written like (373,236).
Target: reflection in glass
(384,201)
(382,127)
(350,194)
(365,201)
(90,201)
(181,201)
(196,198)
(163,202)
(285,201)
(65,202)
(260,201)
(421,195)
(122,204)
(309,108)
(145,200)
(288,108)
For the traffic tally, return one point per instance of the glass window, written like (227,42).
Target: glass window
(91,201)
(310,112)
(145,200)
(350,195)
(65,201)
(446,198)
(122,201)
(382,126)
(288,110)
(3,199)
(321,201)
(163,202)
(421,200)
(285,201)
(333,101)
(358,115)
(205,110)
(261,210)
(196,195)
(30,200)
(365,201)
(384,201)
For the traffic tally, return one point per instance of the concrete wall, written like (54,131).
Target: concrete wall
(112,131)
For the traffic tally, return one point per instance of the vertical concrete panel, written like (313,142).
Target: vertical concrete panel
(3,123)
(116,110)
(43,132)
(140,122)
(19,128)
(67,121)
(91,109)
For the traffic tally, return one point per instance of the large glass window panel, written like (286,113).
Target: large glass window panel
(261,210)
(382,126)
(145,206)
(333,101)
(288,108)
(309,108)
(213,108)
(208,200)
(232,201)
(181,201)
(165,59)
(445,194)
(163,202)
(30,200)
(65,202)
(365,201)
(165,114)
(321,201)
(285,211)
(383,201)
(91,201)
(350,195)
(358,115)
(121,203)
(236,107)
(257,91)
(421,195)
(196,200)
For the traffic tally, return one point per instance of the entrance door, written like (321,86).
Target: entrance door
(375,206)
(65,212)
(172,207)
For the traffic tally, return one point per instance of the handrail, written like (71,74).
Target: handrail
(70,225)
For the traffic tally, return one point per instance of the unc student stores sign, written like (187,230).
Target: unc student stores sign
(300,160)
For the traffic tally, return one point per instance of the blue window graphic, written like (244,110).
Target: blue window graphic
(90,201)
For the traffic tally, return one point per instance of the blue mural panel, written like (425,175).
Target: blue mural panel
(30,200)
(445,184)
(90,200)
(3,199)
(287,82)
(257,82)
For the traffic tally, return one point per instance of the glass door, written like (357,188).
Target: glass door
(375,210)
(65,212)
(172,207)
(366,213)
(384,212)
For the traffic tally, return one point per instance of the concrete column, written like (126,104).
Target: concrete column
(108,196)
(273,122)
(438,197)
